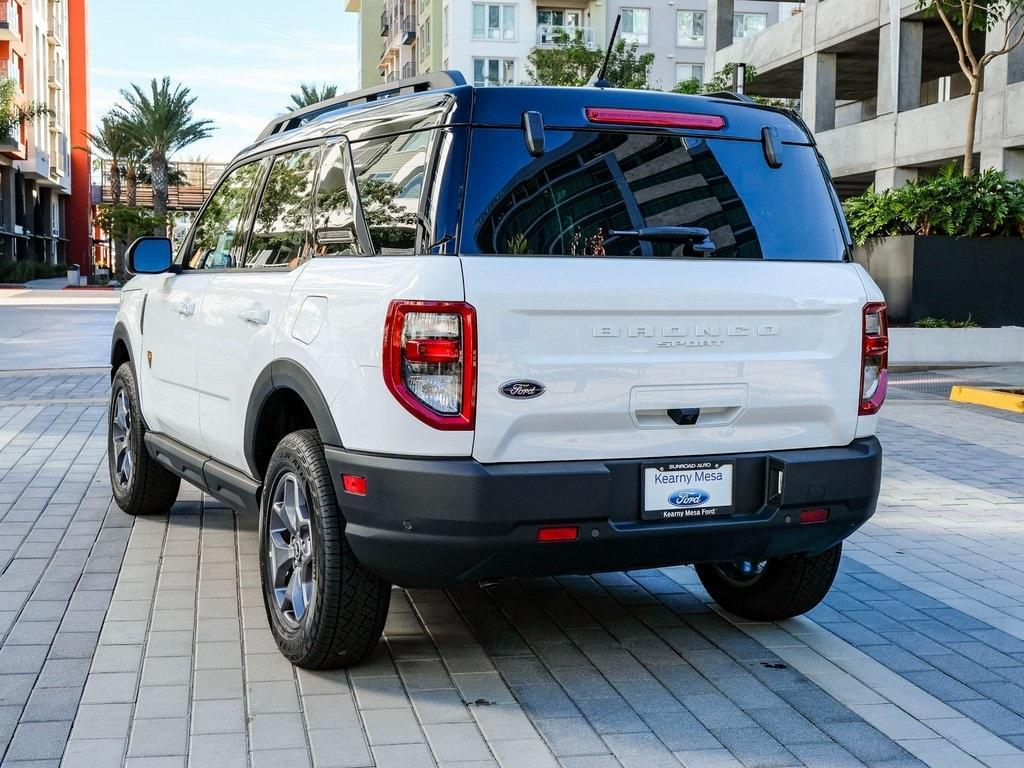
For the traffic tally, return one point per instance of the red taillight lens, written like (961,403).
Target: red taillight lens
(560,533)
(430,360)
(875,358)
(614,116)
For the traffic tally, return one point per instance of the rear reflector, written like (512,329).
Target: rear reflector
(615,116)
(567,533)
(813,516)
(354,484)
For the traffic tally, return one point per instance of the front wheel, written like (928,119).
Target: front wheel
(140,485)
(771,590)
(325,609)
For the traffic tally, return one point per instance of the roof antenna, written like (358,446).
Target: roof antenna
(599,79)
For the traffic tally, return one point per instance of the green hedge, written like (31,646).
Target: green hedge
(987,204)
(23,271)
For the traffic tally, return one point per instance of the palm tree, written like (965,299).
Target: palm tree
(162,122)
(309,94)
(112,140)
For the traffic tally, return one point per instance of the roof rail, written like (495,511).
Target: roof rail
(426,82)
(732,95)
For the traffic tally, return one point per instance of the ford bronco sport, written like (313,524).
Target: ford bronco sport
(436,333)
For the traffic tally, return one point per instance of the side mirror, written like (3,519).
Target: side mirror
(150,256)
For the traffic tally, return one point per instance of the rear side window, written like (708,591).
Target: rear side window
(389,175)
(589,184)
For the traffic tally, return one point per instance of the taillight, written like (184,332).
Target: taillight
(430,360)
(875,358)
(656,118)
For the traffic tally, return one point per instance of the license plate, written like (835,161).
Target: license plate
(688,490)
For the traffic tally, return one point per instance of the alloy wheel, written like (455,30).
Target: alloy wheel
(121,438)
(290,549)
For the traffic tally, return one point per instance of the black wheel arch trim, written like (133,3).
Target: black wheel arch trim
(121,335)
(287,374)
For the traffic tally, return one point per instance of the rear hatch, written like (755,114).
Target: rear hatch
(627,347)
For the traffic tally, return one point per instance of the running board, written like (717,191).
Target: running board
(234,488)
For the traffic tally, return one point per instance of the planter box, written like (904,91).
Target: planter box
(950,278)
(951,346)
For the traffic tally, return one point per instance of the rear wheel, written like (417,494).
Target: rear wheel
(325,609)
(771,590)
(140,485)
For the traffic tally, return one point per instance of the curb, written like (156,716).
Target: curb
(13,287)
(1004,400)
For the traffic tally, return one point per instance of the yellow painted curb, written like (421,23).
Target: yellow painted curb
(992,398)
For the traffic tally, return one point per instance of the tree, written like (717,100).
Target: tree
(162,122)
(961,18)
(723,81)
(114,138)
(309,95)
(13,116)
(124,224)
(572,62)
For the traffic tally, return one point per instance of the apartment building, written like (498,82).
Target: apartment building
(880,85)
(489,42)
(35,162)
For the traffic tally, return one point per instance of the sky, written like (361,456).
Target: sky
(241,58)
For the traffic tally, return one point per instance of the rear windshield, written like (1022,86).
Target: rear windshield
(589,184)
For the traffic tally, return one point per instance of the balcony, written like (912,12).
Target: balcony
(550,34)
(408,29)
(385,24)
(10,21)
(55,28)
(11,69)
(53,83)
(408,70)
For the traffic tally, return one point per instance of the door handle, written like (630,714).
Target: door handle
(186,307)
(256,315)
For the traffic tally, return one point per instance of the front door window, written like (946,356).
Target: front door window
(219,235)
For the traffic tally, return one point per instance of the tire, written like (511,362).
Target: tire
(785,587)
(325,609)
(140,485)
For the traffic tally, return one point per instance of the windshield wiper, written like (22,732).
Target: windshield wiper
(697,238)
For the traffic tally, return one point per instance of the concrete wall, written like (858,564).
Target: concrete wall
(888,133)
(946,346)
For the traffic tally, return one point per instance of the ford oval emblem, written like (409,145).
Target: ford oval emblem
(522,390)
(693,498)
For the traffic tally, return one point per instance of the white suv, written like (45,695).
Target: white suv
(459,334)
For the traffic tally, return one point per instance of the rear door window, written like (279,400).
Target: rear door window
(590,184)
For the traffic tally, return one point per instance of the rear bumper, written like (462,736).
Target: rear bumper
(435,522)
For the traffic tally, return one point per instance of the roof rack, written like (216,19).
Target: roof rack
(427,82)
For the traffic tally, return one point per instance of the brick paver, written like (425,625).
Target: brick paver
(144,642)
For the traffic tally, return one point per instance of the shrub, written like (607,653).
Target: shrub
(23,271)
(984,205)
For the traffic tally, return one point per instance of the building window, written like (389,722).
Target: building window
(445,26)
(487,72)
(636,25)
(424,39)
(690,29)
(494,21)
(685,72)
(748,24)
(559,17)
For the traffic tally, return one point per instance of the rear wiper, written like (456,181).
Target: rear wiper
(698,238)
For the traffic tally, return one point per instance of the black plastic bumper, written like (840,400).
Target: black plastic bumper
(435,522)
